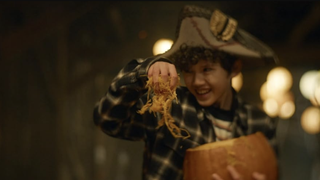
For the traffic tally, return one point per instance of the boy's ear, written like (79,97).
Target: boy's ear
(237,67)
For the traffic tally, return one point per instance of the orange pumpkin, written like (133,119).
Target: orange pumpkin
(247,154)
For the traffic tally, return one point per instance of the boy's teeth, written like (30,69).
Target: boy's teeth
(202,91)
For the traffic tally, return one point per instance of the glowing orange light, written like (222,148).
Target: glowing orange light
(237,82)
(310,120)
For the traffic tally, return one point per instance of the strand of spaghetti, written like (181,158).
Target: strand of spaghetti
(161,102)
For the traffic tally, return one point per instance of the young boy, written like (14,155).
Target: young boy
(209,51)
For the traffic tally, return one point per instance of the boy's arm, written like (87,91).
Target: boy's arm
(254,119)
(116,112)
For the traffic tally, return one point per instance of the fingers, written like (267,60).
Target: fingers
(150,71)
(236,176)
(216,177)
(154,72)
(234,173)
(258,176)
(163,69)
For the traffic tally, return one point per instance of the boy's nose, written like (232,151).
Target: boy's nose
(198,79)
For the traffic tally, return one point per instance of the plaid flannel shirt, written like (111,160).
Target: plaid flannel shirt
(116,115)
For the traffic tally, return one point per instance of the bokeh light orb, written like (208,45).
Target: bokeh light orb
(284,97)
(309,81)
(237,82)
(263,92)
(281,96)
(279,79)
(310,120)
(287,109)
(315,100)
(161,46)
(271,107)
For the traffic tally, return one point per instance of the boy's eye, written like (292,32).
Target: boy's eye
(207,69)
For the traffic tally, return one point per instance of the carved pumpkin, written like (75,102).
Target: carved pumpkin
(247,154)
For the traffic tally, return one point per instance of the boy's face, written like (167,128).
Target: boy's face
(209,83)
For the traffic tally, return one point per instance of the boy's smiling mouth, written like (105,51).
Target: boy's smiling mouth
(202,91)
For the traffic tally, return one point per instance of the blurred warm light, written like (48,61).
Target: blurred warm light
(263,92)
(310,120)
(279,79)
(281,96)
(284,97)
(275,93)
(287,110)
(315,99)
(237,82)
(271,107)
(161,46)
(284,106)
(309,81)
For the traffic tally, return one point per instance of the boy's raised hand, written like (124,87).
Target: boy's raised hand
(165,70)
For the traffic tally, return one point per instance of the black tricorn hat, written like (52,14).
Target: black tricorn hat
(199,26)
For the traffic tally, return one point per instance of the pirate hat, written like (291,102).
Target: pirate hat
(213,29)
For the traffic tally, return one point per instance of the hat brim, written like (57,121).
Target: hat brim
(195,31)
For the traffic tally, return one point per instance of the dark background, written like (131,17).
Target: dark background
(58,57)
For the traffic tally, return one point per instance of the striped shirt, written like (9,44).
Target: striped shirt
(222,122)
(116,115)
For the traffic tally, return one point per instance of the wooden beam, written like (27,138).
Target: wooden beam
(310,22)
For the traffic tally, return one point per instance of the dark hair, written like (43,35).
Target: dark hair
(188,56)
